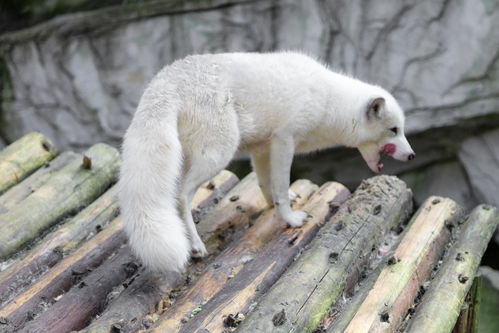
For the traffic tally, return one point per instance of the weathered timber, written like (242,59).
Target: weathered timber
(75,308)
(91,254)
(70,190)
(23,157)
(22,190)
(343,317)
(479,312)
(231,261)
(147,290)
(57,244)
(63,275)
(466,321)
(399,283)
(333,260)
(437,311)
(232,214)
(109,275)
(258,275)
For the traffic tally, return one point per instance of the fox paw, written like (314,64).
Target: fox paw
(292,195)
(296,218)
(198,250)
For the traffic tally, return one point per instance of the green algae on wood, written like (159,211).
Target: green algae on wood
(58,244)
(399,283)
(69,190)
(441,305)
(319,276)
(22,190)
(22,157)
(229,265)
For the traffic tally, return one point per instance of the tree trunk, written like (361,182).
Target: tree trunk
(334,259)
(438,312)
(22,157)
(399,283)
(70,189)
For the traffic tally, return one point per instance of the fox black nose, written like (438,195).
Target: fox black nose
(411,156)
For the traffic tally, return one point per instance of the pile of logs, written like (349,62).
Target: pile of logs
(363,262)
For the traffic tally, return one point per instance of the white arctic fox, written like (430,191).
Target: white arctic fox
(198,111)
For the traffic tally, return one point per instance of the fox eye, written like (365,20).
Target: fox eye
(394,130)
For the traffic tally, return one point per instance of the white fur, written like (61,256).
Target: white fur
(198,111)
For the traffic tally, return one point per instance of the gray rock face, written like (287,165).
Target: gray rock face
(480,156)
(78,78)
(444,179)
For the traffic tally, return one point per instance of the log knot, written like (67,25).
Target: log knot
(462,278)
(279,318)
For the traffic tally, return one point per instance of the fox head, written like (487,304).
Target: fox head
(384,131)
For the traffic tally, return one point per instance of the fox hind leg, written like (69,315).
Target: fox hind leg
(261,165)
(206,157)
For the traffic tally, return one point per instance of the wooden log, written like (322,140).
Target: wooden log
(242,204)
(58,244)
(89,255)
(467,321)
(63,275)
(22,190)
(322,272)
(72,188)
(345,315)
(231,261)
(83,301)
(22,157)
(399,283)
(147,291)
(441,305)
(479,312)
(258,275)
(344,309)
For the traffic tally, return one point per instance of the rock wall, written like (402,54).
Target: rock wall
(78,77)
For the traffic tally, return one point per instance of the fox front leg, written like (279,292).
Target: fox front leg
(281,156)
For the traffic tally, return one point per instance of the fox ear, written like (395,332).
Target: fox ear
(374,108)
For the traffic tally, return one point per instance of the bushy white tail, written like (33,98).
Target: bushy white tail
(152,161)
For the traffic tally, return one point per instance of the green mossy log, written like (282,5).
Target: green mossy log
(231,261)
(69,190)
(22,157)
(22,190)
(335,257)
(252,278)
(58,244)
(144,294)
(441,304)
(398,284)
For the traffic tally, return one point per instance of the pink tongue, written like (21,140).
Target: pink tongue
(388,149)
(380,165)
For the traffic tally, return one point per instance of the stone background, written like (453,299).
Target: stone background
(77,77)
